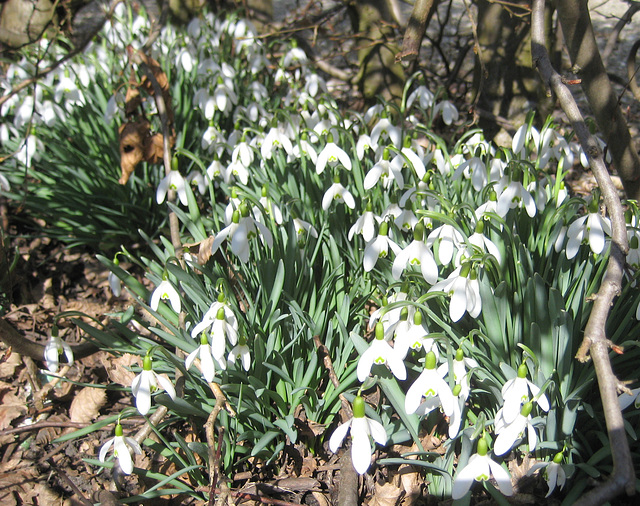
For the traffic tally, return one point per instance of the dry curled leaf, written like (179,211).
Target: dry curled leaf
(119,368)
(86,405)
(11,406)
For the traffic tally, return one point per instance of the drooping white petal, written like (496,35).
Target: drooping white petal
(338,435)
(360,445)
(502,477)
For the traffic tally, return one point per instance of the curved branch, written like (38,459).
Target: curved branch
(595,340)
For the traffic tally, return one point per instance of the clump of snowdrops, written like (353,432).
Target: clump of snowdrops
(452,278)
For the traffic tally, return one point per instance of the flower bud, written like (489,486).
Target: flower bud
(358,407)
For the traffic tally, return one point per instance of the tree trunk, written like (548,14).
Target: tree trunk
(380,75)
(587,64)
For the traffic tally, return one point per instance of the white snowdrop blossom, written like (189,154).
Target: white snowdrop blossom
(115,284)
(449,111)
(379,247)
(390,318)
(338,193)
(463,287)
(460,373)
(423,96)
(172,181)
(330,155)
(513,195)
(386,170)
(413,334)
(303,230)
(240,231)
(449,241)
(480,467)
(475,170)
(365,224)
(509,433)
(275,138)
(483,243)
(147,382)
(165,291)
(241,351)
(122,448)
(380,352)
(207,365)
(516,391)
(418,254)
(432,387)
(383,129)
(54,348)
(554,473)
(361,428)
(593,228)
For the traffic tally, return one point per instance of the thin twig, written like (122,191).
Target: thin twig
(61,474)
(595,341)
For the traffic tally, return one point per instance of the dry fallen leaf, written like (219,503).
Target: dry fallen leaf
(388,493)
(119,368)
(11,406)
(86,405)
(8,366)
(133,139)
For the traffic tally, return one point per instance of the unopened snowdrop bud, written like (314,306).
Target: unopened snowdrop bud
(235,217)
(456,390)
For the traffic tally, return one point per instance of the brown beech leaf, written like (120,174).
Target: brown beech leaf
(133,139)
(11,406)
(154,148)
(86,405)
(119,368)
(204,252)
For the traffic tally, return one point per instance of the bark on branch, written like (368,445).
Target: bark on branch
(595,340)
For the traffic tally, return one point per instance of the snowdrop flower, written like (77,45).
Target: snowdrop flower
(303,229)
(165,291)
(449,111)
(172,181)
(332,154)
(473,169)
(195,177)
(240,231)
(509,433)
(383,129)
(390,318)
(365,224)
(554,473)
(480,467)
(463,287)
(147,382)
(483,243)
(432,387)
(220,331)
(337,192)
(271,209)
(122,447)
(449,240)
(379,247)
(460,373)
(363,145)
(419,254)
(54,348)
(275,138)
(241,350)
(514,195)
(408,157)
(361,428)
(413,335)
(203,352)
(115,283)
(516,391)
(424,97)
(380,352)
(304,148)
(592,227)
(385,170)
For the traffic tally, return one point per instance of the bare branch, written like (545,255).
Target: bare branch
(414,33)
(595,340)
